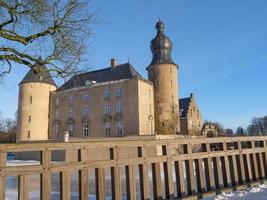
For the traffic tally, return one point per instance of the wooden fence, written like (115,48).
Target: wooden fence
(220,164)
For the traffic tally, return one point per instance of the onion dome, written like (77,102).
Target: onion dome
(161,47)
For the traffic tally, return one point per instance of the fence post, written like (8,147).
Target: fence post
(100,183)
(243,177)
(143,175)
(168,174)
(83,176)
(227,165)
(64,185)
(179,173)
(130,182)
(2,178)
(23,187)
(45,177)
(191,169)
(156,177)
(115,175)
(209,168)
(256,168)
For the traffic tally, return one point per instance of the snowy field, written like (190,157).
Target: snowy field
(258,193)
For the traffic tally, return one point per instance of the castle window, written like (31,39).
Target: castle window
(70,113)
(107,109)
(119,128)
(30,99)
(85,130)
(171,82)
(70,100)
(57,101)
(163,124)
(57,114)
(170,70)
(85,98)
(70,129)
(172,96)
(56,130)
(119,107)
(119,92)
(106,94)
(173,111)
(85,112)
(30,119)
(29,134)
(107,128)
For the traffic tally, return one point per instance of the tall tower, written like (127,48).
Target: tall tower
(33,105)
(162,71)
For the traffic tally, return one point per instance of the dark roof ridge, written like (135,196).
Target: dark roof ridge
(119,72)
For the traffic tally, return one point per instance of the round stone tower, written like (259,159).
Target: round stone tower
(33,105)
(162,71)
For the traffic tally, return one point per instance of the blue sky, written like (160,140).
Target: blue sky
(220,46)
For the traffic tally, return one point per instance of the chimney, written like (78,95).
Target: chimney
(114,63)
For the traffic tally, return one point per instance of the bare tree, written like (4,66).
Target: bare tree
(56,30)
(229,132)
(258,126)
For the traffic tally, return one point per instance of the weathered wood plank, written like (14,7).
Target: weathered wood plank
(83,176)
(262,166)
(168,172)
(23,187)
(235,170)
(227,170)
(156,178)
(130,182)
(249,167)
(64,185)
(199,177)
(2,178)
(208,169)
(45,176)
(179,174)
(115,176)
(143,176)
(100,183)
(242,169)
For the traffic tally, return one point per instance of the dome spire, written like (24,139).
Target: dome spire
(161,46)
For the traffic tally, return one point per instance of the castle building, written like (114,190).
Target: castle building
(33,105)
(190,117)
(114,101)
(162,72)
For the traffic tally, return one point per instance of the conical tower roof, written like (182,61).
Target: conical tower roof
(42,77)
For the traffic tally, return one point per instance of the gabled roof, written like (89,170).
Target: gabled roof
(42,77)
(123,71)
(184,106)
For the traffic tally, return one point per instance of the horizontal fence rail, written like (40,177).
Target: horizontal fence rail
(144,168)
